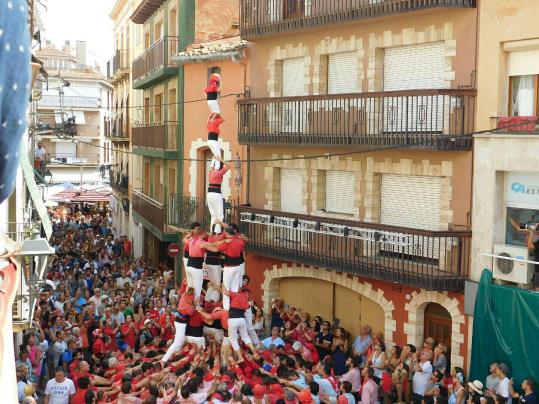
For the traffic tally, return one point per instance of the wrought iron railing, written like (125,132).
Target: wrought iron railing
(435,260)
(183,210)
(119,181)
(263,17)
(419,118)
(156,56)
(156,135)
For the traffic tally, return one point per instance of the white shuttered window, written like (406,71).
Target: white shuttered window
(411,201)
(340,192)
(342,73)
(291,190)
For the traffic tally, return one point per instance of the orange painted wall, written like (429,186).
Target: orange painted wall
(215,19)
(256,265)
(235,77)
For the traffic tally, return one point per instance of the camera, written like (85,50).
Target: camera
(533,227)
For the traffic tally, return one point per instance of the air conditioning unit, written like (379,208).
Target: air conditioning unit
(510,270)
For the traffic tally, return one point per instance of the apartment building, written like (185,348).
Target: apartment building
(118,127)
(360,173)
(506,176)
(73,90)
(158,133)
(227,57)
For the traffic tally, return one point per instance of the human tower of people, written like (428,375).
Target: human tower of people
(125,332)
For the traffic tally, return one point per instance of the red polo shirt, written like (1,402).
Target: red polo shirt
(214,124)
(234,248)
(239,300)
(216,176)
(195,250)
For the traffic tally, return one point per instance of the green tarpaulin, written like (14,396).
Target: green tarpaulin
(505,329)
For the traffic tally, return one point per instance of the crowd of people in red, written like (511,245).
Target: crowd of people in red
(114,329)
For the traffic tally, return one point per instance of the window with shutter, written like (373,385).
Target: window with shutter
(340,186)
(291,190)
(342,73)
(414,67)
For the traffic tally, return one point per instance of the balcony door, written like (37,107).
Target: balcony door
(293,113)
(414,67)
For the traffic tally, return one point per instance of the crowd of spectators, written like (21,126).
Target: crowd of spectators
(100,334)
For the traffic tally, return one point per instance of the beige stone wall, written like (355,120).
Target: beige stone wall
(494,156)
(368,172)
(501,23)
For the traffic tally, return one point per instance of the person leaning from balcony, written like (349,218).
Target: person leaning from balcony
(532,238)
(212,92)
(214,196)
(232,246)
(197,250)
(214,122)
(41,157)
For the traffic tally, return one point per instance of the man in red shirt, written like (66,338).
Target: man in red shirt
(195,262)
(232,247)
(129,331)
(214,122)
(212,92)
(214,196)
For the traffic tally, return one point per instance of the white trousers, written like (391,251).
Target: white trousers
(237,326)
(215,148)
(250,328)
(214,275)
(198,341)
(232,282)
(195,278)
(179,340)
(213,105)
(215,206)
(242,271)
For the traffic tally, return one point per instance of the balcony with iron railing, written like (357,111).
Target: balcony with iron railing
(159,136)
(155,63)
(117,131)
(265,17)
(119,181)
(149,209)
(430,119)
(434,260)
(120,63)
(182,210)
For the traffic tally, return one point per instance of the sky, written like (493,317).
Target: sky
(80,20)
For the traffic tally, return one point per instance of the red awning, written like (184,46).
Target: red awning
(92,196)
(72,195)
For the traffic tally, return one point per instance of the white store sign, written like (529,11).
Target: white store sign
(522,189)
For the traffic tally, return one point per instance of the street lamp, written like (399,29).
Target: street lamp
(34,257)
